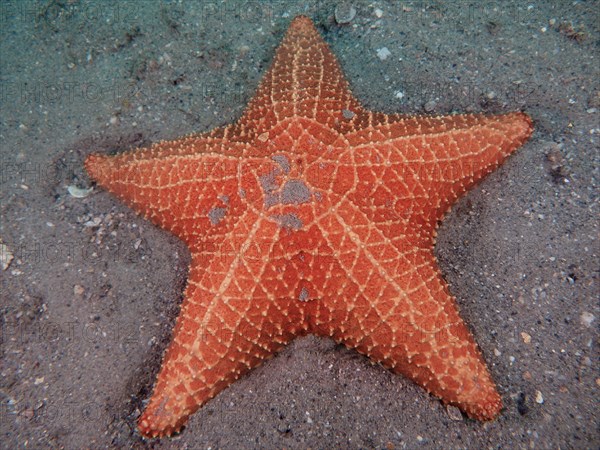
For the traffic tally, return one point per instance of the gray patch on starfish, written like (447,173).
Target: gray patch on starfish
(224,199)
(295,191)
(347,114)
(271,199)
(269,186)
(267,182)
(242,193)
(289,220)
(283,162)
(215,215)
(303,297)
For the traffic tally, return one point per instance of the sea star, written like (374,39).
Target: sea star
(311,214)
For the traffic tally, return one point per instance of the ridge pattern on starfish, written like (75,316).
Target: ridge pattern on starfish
(311,214)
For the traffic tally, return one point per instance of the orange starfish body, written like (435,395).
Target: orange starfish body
(311,214)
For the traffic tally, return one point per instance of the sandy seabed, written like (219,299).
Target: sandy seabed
(89,299)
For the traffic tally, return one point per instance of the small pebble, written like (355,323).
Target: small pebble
(430,106)
(78,289)
(78,192)
(383,53)
(344,13)
(6,256)
(538,397)
(308,418)
(586,319)
(526,337)
(454,413)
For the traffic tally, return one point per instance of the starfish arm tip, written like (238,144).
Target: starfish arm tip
(484,409)
(150,426)
(523,120)
(97,167)
(302,21)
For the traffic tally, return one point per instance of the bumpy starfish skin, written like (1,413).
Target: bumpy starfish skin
(313,215)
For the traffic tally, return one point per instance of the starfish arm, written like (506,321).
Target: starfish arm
(229,323)
(184,186)
(304,80)
(396,309)
(420,166)
(417,332)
